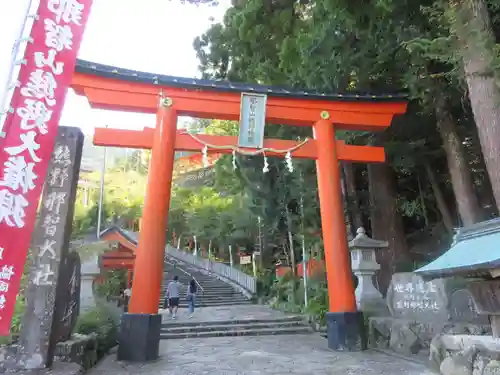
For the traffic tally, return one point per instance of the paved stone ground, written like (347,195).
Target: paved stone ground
(264,355)
(261,355)
(220,313)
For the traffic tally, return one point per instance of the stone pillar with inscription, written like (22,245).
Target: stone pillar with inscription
(52,273)
(364,265)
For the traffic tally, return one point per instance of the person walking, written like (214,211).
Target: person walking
(127,293)
(172,296)
(192,289)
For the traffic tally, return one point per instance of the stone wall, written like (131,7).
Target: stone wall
(80,349)
(465,355)
(413,337)
(79,354)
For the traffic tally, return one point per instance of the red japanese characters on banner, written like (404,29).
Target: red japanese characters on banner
(31,129)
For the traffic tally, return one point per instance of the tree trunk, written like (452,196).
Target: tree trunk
(440,201)
(352,196)
(422,202)
(290,241)
(461,179)
(476,39)
(386,222)
(266,252)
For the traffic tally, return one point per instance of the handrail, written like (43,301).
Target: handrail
(244,281)
(186,273)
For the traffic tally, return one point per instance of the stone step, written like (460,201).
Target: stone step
(204,285)
(229,298)
(199,298)
(201,280)
(238,332)
(188,278)
(214,298)
(210,281)
(215,292)
(210,304)
(181,272)
(181,275)
(197,276)
(190,323)
(215,303)
(226,327)
(211,292)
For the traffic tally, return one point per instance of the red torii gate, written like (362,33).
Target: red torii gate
(108,87)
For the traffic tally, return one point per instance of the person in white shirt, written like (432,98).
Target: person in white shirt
(127,293)
(172,296)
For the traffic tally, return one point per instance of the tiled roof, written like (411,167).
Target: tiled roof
(474,252)
(222,85)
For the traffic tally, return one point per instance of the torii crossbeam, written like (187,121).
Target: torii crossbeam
(108,87)
(143,139)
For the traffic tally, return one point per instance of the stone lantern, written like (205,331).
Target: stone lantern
(364,265)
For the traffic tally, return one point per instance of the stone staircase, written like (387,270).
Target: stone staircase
(221,310)
(286,325)
(213,292)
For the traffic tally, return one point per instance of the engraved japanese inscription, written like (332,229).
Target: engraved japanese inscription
(47,292)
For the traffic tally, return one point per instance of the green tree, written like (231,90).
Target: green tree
(124,189)
(353,46)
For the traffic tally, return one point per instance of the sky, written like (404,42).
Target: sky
(147,35)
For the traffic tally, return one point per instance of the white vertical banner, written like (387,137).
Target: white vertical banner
(252,120)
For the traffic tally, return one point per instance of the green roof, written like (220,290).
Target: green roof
(474,252)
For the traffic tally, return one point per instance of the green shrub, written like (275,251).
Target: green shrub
(114,281)
(265,281)
(15,326)
(18,314)
(100,322)
(317,306)
(287,294)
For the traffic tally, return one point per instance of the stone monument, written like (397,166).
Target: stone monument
(420,310)
(364,265)
(53,276)
(410,297)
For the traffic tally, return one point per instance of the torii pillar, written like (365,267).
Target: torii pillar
(345,325)
(140,327)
